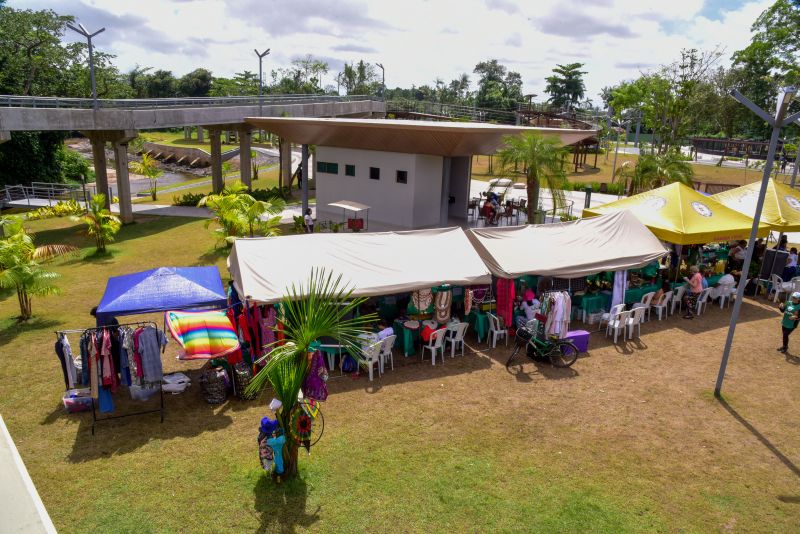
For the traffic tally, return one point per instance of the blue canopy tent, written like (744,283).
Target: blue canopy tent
(162,289)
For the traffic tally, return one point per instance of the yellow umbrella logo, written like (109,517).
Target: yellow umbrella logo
(702,209)
(793,202)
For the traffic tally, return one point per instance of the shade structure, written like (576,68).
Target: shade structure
(781,209)
(162,289)
(568,250)
(678,214)
(381,263)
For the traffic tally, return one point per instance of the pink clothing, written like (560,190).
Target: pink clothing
(505,300)
(696,283)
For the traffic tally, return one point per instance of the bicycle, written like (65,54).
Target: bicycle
(560,352)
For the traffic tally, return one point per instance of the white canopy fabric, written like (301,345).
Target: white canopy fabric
(380,263)
(351,205)
(570,249)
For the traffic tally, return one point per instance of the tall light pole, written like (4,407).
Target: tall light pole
(778,121)
(83,31)
(383,78)
(261,56)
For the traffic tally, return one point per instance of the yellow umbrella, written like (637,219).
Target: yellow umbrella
(678,214)
(781,209)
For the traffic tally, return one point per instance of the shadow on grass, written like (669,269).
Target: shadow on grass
(283,506)
(10,327)
(760,437)
(212,255)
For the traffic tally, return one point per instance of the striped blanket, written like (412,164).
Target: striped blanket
(202,334)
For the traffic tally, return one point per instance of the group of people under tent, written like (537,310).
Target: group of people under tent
(491,209)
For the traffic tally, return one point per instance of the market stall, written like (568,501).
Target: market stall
(781,211)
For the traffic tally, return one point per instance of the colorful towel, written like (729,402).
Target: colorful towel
(203,335)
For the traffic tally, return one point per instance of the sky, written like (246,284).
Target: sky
(416,40)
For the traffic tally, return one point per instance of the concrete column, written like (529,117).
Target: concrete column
(228,136)
(199,134)
(123,181)
(305,178)
(245,169)
(445,205)
(187,132)
(286,161)
(217,181)
(100,163)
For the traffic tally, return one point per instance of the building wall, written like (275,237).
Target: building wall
(393,205)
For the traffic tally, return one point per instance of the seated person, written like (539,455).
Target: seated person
(665,288)
(384,330)
(726,279)
(790,271)
(492,207)
(529,306)
(736,254)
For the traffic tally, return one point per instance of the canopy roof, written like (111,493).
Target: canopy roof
(781,209)
(165,288)
(380,263)
(678,214)
(351,205)
(411,137)
(567,250)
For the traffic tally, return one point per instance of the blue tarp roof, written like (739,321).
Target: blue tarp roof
(165,288)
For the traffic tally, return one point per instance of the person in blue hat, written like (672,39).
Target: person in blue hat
(790,310)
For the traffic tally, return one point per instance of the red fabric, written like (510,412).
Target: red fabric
(280,335)
(234,357)
(427,332)
(505,300)
(244,328)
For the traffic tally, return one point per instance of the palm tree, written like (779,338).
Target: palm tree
(100,222)
(542,159)
(238,213)
(148,167)
(320,309)
(653,171)
(20,264)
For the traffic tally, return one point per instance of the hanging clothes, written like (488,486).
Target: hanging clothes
(422,300)
(64,353)
(107,362)
(84,347)
(268,320)
(94,365)
(442,306)
(557,306)
(151,343)
(467,301)
(505,300)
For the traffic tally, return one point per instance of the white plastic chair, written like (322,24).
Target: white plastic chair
(702,301)
(618,323)
(725,294)
(606,317)
(635,319)
(662,306)
(777,285)
(435,345)
(647,299)
(495,331)
(386,351)
(677,300)
(456,337)
(372,356)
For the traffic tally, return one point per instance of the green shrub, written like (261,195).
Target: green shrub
(273,193)
(59,209)
(189,199)
(73,166)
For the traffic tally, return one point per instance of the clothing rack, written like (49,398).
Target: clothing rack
(137,324)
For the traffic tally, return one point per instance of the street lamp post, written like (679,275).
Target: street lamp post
(383,78)
(83,31)
(778,121)
(261,56)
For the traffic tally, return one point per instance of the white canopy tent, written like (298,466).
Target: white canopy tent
(373,264)
(568,250)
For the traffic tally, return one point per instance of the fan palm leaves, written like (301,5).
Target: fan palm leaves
(100,222)
(238,213)
(542,159)
(20,266)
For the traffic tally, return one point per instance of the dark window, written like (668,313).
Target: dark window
(329,168)
(374,173)
(349,170)
(402,177)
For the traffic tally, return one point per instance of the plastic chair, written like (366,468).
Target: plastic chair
(726,290)
(372,356)
(635,319)
(435,345)
(495,331)
(662,306)
(677,299)
(608,316)
(702,300)
(618,323)
(386,351)
(456,337)
(647,299)
(777,285)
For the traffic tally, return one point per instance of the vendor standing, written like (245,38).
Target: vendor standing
(790,318)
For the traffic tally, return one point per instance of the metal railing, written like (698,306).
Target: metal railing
(47,191)
(451,111)
(160,103)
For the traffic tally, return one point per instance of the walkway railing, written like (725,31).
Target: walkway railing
(46,191)
(451,111)
(160,103)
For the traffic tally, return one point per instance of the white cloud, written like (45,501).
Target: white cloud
(424,40)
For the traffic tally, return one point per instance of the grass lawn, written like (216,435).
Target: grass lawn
(176,138)
(703,173)
(628,440)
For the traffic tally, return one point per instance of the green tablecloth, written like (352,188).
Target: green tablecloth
(480,322)
(635,295)
(596,302)
(406,338)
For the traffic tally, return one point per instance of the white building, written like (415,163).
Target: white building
(412,174)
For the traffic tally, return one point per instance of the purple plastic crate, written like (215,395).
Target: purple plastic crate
(580,338)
